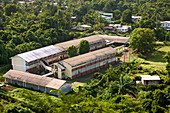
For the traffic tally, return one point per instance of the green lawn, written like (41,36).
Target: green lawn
(155,60)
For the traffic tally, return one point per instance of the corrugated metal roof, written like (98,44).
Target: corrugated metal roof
(39,53)
(117,39)
(34,79)
(91,39)
(149,77)
(89,56)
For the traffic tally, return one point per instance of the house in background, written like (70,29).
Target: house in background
(106,17)
(136,18)
(81,27)
(107,14)
(149,80)
(36,82)
(124,28)
(165,25)
(21,2)
(115,26)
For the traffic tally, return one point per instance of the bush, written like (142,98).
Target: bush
(141,56)
(166,43)
(136,78)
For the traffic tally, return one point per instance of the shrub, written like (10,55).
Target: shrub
(142,56)
(136,78)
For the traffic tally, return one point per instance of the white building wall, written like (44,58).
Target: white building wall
(18,63)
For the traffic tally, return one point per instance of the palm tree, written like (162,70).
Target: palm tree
(126,86)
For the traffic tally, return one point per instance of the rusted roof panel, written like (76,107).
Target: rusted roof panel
(34,79)
(91,39)
(116,39)
(39,53)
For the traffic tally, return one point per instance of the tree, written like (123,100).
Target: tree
(83,47)
(147,23)
(71,51)
(126,86)
(167,36)
(117,14)
(10,8)
(142,40)
(126,16)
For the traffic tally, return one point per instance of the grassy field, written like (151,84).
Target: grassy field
(155,60)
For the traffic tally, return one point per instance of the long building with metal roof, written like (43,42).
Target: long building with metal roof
(30,60)
(39,53)
(89,62)
(95,42)
(36,82)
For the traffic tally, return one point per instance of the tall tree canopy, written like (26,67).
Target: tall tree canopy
(10,8)
(142,40)
(71,51)
(83,47)
(126,16)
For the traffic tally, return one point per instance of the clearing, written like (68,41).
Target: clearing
(155,60)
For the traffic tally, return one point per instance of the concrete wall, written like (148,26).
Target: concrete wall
(18,63)
(65,88)
(68,70)
(89,66)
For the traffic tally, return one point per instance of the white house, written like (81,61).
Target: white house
(115,26)
(124,28)
(21,2)
(81,27)
(136,18)
(165,25)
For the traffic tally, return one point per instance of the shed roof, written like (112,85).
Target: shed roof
(85,26)
(39,53)
(125,27)
(117,39)
(149,77)
(165,22)
(107,13)
(34,79)
(90,39)
(114,25)
(137,17)
(89,56)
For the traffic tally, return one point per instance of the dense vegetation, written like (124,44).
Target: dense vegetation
(113,91)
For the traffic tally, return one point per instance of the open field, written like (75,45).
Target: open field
(155,60)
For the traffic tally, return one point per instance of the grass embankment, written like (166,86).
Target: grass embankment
(155,60)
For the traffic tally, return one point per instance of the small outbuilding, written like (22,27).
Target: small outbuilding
(149,80)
